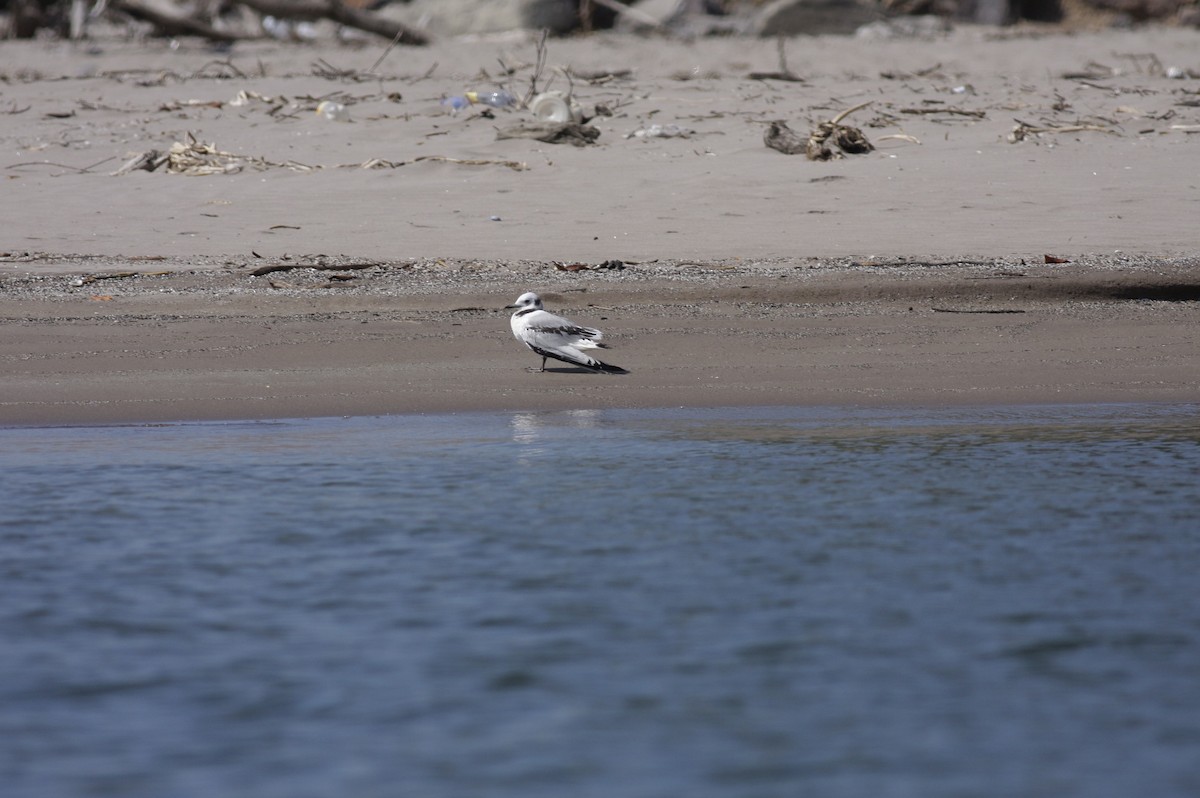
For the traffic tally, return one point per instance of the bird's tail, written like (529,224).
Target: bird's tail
(606,368)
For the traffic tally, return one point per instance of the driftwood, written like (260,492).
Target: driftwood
(147,161)
(325,267)
(633,13)
(945,110)
(1024,130)
(172,21)
(957,310)
(339,13)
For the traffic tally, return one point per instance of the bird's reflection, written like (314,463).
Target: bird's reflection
(534,431)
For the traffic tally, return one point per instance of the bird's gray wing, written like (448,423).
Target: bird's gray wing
(547,330)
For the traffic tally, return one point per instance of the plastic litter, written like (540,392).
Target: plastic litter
(334,112)
(494,99)
(455,104)
(555,106)
(662,132)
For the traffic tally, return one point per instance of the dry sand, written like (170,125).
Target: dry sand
(752,277)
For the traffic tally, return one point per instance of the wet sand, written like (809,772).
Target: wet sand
(186,346)
(914,274)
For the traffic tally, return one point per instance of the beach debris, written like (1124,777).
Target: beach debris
(942,109)
(822,141)
(148,161)
(899,137)
(904,24)
(1055,259)
(1024,130)
(88,279)
(286,31)
(934,71)
(539,65)
(381,163)
(249,97)
(661,132)
(196,158)
(333,111)
(634,14)
(781,137)
(492,99)
(172,20)
(288,18)
(1092,71)
(608,265)
(556,106)
(455,104)
(599,77)
(318,266)
(982,310)
(332,281)
(516,166)
(783,73)
(574,133)
(179,105)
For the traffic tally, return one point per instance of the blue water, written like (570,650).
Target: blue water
(766,602)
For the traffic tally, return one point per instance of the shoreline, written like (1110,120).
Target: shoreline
(915,273)
(222,345)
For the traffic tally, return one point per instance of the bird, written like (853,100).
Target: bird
(555,337)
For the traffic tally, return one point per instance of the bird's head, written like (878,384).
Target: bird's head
(526,301)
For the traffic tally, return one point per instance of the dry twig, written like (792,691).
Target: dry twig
(783,73)
(945,110)
(1024,130)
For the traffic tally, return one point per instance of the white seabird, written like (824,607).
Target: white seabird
(555,337)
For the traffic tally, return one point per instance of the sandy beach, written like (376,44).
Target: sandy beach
(362,266)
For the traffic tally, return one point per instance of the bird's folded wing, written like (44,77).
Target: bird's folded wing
(559,332)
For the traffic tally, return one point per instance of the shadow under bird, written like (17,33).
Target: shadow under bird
(555,337)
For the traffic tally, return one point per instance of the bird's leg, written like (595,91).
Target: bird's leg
(532,370)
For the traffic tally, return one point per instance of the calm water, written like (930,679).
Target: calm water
(788,602)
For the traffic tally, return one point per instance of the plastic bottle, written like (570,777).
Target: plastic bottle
(455,104)
(495,99)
